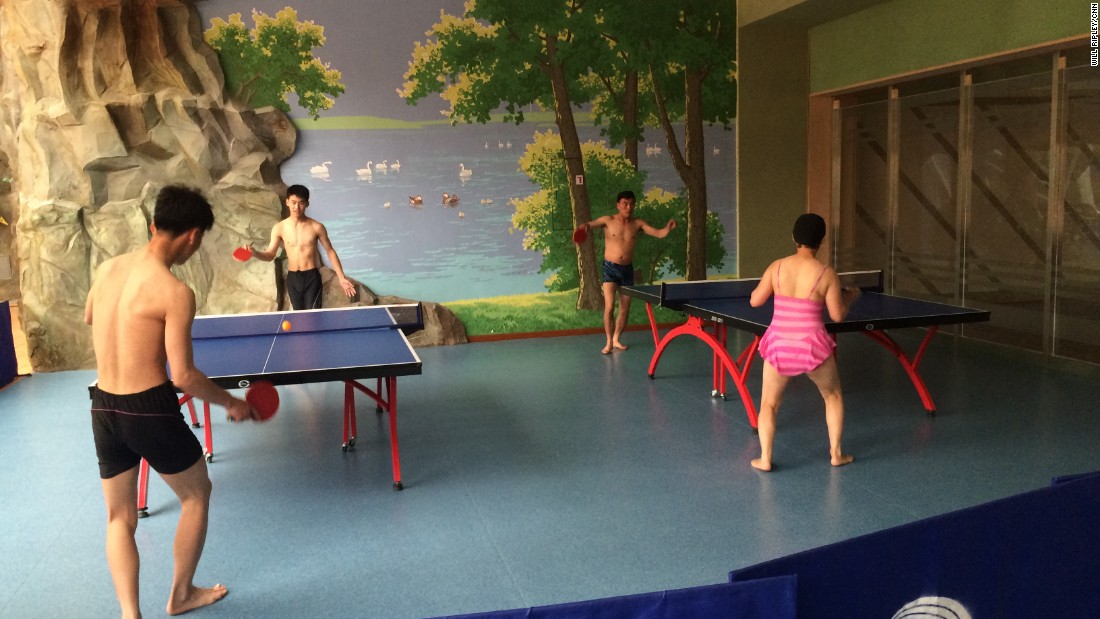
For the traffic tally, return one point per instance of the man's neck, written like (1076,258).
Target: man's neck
(163,249)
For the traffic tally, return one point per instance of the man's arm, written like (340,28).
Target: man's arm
(334,260)
(272,250)
(185,376)
(88,306)
(599,222)
(659,233)
(96,278)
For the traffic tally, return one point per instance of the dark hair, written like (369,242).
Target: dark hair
(629,195)
(809,229)
(180,209)
(298,190)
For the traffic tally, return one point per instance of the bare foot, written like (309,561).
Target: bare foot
(760,464)
(620,346)
(842,459)
(197,597)
(606,350)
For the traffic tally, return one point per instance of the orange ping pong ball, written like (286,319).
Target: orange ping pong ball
(286,325)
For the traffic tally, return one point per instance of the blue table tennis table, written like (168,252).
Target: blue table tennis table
(347,344)
(712,305)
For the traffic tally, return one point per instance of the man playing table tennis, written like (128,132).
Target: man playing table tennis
(141,319)
(620,232)
(299,235)
(796,341)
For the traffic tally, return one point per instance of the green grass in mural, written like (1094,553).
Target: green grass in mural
(344,123)
(541,312)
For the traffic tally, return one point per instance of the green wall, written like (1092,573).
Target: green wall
(771,141)
(909,35)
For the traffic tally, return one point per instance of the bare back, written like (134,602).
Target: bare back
(129,306)
(801,276)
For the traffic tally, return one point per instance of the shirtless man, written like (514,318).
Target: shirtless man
(620,233)
(299,235)
(141,319)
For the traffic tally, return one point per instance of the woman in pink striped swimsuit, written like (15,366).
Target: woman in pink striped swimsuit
(796,341)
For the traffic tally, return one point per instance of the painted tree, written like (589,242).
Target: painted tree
(511,54)
(273,59)
(612,87)
(688,51)
(608,172)
(615,108)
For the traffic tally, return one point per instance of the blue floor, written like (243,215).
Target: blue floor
(536,472)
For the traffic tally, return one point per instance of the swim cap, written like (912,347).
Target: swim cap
(809,229)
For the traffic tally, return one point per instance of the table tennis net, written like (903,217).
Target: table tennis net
(681,292)
(407,317)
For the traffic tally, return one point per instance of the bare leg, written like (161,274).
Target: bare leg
(771,396)
(192,486)
(827,379)
(620,322)
(609,291)
(120,493)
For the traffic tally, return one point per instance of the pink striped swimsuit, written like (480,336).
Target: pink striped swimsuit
(796,341)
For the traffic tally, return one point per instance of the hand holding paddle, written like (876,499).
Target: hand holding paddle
(580,233)
(264,399)
(239,410)
(242,253)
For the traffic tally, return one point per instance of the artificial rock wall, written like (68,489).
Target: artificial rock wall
(102,103)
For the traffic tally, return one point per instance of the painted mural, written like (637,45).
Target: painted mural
(423,161)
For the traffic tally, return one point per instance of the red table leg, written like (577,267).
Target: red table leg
(739,370)
(385,398)
(349,414)
(143,490)
(209,433)
(911,365)
(189,401)
(391,390)
(718,373)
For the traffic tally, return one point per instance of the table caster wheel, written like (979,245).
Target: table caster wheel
(209,457)
(344,447)
(351,442)
(143,512)
(398,485)
(196,425)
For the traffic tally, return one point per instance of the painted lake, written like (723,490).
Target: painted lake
(469,250)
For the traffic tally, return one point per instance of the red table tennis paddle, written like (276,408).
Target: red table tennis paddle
(242,254)
(580,234)
(264,398)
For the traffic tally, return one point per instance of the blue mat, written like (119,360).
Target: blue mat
(1032,555)
(771,598)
